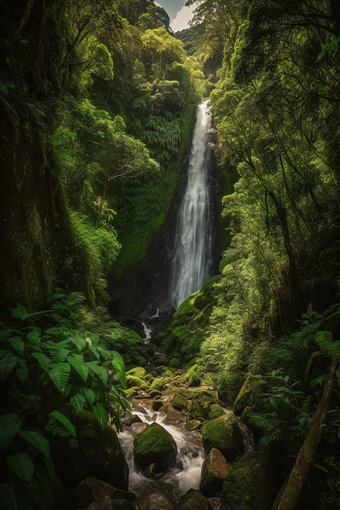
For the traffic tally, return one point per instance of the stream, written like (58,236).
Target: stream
(184,475)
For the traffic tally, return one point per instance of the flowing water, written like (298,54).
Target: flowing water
(191,266)
(184,475)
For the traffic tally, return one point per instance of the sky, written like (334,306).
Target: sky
(179,14)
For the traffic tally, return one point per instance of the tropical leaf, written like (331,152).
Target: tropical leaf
(9,426)
(37,440)
(323,338)
(101,372)
(60,375)
(17,343)
(104,352)
(13,497)
(43,476)
(88,394)
(22,372)
(103,414)
(49,466)
(309,364)
(64,421)
(7,363)
(41,496)
(77,401)
(79,342)
(43,360)
(78,363)
(21,465)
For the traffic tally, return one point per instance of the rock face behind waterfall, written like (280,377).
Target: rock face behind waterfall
(145,286)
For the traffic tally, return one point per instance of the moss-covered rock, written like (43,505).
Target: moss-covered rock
(157,384)
(178,400)
(132,381)
(193,379)
(214,472)
(193,425)
(168,373)
(250,485)
(247,395)
(224,434)
(155,393)
(194,500)
(99,455)
(215,411)
(201,402)
(131,392)
(174,363)
(154,445)
(139,372)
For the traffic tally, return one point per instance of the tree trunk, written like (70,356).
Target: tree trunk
(288,496)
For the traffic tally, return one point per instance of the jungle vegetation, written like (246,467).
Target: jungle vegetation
(97,98)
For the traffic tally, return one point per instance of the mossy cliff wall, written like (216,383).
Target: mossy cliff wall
(32,205)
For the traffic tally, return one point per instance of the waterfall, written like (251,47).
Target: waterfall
(191,265)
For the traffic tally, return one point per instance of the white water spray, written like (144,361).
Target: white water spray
(192,264)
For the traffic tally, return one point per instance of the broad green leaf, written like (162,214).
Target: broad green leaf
(101,372)
(78,363)
(309,364)
(17,343)
(318,380)
(60,374)
(22,372)
(64,421)
(78,341)
(49,466)
(7,363)
(43,360)
(103,414)
(38,440)
(104,352)
(21,465)
(42,497)
(13,497)
(95,412)
(43,476)
(9,426)
(320,467)
(19,312)
(323,338)
(94,351)
(89,394)
(117,356)
(77,401)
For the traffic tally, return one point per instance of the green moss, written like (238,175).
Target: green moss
(250,485)
(132,381)
(131,392)
(154,444)
(215,411)
(194,380)
(174,363)
(168,373)
(139,372)
(193,424)
(222,433)
(178,400)
(247,396)
(157,384)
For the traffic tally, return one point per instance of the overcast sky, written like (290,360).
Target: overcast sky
(179,14)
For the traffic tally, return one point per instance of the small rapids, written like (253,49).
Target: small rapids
(184,475)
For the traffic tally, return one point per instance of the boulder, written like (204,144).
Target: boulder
(138,428)
(155,394)
(251,484)
(139,372)
(171,413)
(90,490)
(215,411)
(119,494)
(193,379)
(155,500)
(104,504)
(224,434)
(154,445)
(247,395)
(214,472)
(99,455)
(199,407)
(194,500)
(130,418)
(156,406)
(178,400)
(157,384)
(193,425)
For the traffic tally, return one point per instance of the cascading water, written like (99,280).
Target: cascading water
(192,263)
